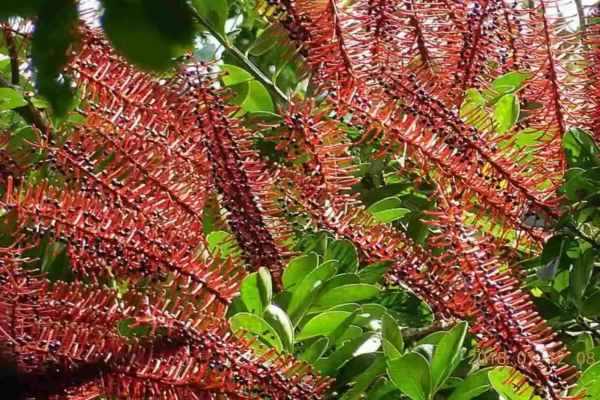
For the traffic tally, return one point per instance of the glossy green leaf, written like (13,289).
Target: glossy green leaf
(252,295)
(172,18)
(579,276)
(347,293)
(11,99)
(257,326)
(223,242)
(345,253)
(234,75)
(385,204)
(298,268)
(328,365)
(317,276)
(499,375)
(412,376)
(345,330)
(55,33)
(446,353)
(474,384)
(589,376)
(214,12)
(506,113)
(372,273)
(258,98)
(282,324)
(323,324)
(315,351)
(515,80)
(580,149)
(265,286)
(390,215)
(267,39)
(339,280)
(365,379)
(129,29)
(391,332)
(591,306)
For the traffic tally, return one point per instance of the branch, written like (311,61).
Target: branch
(13,55)
(413,335)
(30,113)
(250,67)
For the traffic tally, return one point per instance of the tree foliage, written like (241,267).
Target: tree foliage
(299,199)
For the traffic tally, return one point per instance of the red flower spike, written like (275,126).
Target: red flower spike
(319,141)
(591,90)
(184,355)
(177,136)
(554,93)
(468,280)
(120,242)
(400,106)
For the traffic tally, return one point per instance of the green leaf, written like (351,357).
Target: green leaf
(252,295)
(385,204)
(337,281)
(11,99)
(223,242)
(347,293)
(256,326)
(381,389)
(446,353)
(328,366)
(214,12)
(345,253)
(475,384)
(365,379)
(387,210)
(473,108)
(372,273)
(589,376)
(55,32)
(412,376)
(591,306)
(513,79)
(579,276)
(172,18)
(265,286)
(252,95)
(313,243)
(315,351)
(130,31)
(279,320)
(312,280)
(391,331)
(298,268)
(267,39)
(508,391)
(345,330)
(323,324)
(580,149)
(390,215)
(258,98)
(234,75)
(506,113)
